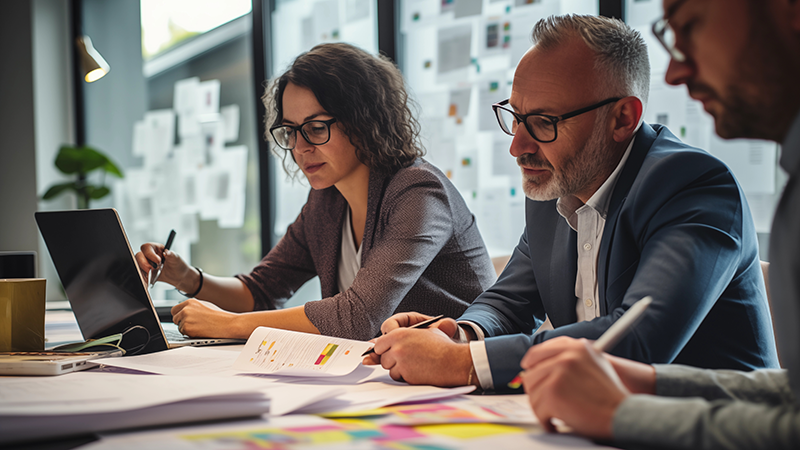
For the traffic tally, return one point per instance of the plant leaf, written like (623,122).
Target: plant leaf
(79,160)
(57,189)
(97,192)
(113,169)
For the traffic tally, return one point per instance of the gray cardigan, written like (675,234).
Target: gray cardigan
(421,251)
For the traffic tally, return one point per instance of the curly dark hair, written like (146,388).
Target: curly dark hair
(365,94)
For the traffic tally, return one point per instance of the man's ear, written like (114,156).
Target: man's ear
(626,116)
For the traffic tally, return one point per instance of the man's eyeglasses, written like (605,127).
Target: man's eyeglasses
(541,127)
(667,37)
(315,132)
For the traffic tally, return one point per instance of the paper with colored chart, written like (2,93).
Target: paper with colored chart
(269,350)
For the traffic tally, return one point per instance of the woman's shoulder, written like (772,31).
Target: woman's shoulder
(421,173)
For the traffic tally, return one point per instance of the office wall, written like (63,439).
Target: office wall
(17,136)
(53,113)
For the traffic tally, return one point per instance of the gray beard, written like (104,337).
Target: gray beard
(577,172)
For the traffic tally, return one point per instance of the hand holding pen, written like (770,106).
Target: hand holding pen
(423,324)
(613,334)
(157,268)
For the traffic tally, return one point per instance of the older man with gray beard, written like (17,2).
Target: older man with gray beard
(617,210)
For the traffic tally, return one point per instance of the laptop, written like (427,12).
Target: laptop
(103,283)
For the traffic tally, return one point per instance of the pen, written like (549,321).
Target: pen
(161,266)
(423,324)
(615,332)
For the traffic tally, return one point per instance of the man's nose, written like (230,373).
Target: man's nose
(523,143)
(679,72)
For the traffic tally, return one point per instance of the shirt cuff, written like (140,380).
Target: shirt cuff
(481,363)
(475,328)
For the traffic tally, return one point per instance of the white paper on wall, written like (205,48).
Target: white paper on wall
(459,102)
(356,10)
(213,133)
(454,48)
(140,136)
(522,21)
(466,8)
(762,208)
(492,89)
(185,103)
(230,119)
(495,36)
(212,186)
(208,97)
(417,14)
(234,162)
(190,227)
(159,136)
(503,164)
(753,163)
(185,97)
(325,18)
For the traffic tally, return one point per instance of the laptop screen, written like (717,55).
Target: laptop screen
(99,274)
(17,264)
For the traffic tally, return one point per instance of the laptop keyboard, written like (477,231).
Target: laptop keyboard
(174,335)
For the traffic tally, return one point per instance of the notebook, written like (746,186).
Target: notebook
(103,284)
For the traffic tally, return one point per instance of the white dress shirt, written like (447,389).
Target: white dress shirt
(589,221)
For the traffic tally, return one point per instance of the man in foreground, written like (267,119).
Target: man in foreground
(741,58)
(617,210)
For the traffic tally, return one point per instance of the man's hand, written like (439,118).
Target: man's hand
(639,378)
(402,320)
(195,319)
(423,356)
(408,319)
(569,380)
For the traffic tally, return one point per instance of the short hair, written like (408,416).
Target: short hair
(367,96)
(621,53)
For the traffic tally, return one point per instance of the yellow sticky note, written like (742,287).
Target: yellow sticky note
(468,430)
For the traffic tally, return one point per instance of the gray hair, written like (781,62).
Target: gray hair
(621,53)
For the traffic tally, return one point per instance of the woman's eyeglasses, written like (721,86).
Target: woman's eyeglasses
(315,132)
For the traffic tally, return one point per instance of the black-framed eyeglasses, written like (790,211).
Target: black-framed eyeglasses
(666,34)
(315,132)
(541,127)
(667,37)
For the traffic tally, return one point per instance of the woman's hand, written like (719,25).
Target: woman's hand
(175,271)
(199,319)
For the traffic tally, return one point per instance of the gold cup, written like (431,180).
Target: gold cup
(22,314)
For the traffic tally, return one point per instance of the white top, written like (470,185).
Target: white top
(349,256)
(589,221)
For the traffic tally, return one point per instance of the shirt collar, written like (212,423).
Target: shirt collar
(599,201)
(790,160)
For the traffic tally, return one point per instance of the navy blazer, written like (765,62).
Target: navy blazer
(678,229)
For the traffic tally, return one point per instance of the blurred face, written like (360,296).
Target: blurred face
(734,64)
(556,82)
(331,164)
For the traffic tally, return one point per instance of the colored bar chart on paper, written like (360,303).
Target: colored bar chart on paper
(326,354)
(270,350)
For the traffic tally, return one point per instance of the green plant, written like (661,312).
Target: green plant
(81,161)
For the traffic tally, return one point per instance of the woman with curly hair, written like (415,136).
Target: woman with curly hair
(384,230)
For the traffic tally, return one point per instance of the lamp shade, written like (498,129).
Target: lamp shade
(93,65)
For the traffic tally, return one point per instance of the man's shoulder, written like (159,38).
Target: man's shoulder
(668,149)
(672,162)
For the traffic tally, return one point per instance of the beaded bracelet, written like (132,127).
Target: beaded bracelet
(193,294)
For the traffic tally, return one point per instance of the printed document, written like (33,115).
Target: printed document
(273,351)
